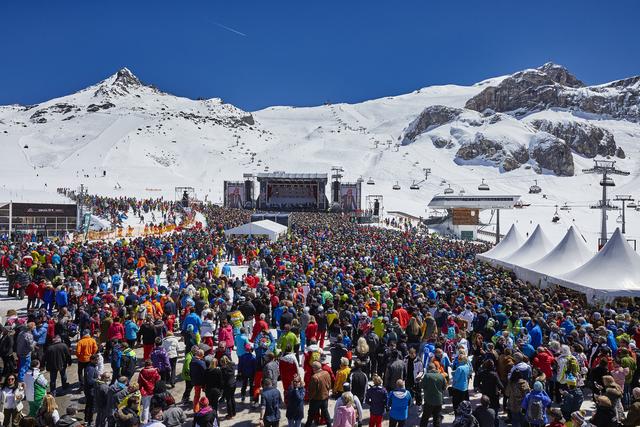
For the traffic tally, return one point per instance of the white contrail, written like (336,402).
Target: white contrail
(230,29)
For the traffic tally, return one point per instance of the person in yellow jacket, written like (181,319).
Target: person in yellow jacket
(342,376)
(85,348)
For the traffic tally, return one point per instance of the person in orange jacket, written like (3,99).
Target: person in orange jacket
(85,348)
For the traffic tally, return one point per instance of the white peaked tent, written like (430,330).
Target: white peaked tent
(569,254)
(508,245)
(612,272)
(260,228)
(536,246)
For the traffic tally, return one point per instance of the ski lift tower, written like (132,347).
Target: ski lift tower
(604,168)
(623,198)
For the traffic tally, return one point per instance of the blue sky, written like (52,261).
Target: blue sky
(305,53)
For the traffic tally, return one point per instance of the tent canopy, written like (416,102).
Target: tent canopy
(536,246)
(612,272)
(259,228)
(571,253)
(508,245)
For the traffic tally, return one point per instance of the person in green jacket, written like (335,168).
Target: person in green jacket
(186,375)
(288,339)
(433,385)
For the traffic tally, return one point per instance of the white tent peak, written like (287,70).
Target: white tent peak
(571,253)
(508,245)
(536,246)
(614,271)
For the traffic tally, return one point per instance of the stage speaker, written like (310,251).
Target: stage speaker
(336,191)
(376,208)
(248,190)
(185,199)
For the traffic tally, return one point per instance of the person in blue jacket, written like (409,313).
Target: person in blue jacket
(192,319)
(398,403)
(460,381)
(131,329)
(62,298)
(49,298)
(535,332)
(535,405)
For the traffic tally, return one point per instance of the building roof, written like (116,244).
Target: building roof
(483,201)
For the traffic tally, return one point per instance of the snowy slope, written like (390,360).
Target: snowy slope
(147,142)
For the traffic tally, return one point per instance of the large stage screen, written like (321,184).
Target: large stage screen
(234,194)
(350,196)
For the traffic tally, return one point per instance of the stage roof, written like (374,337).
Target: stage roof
(283,175)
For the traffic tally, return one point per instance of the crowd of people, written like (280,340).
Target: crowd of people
(372,319)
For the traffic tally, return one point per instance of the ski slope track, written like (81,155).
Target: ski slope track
(540,124)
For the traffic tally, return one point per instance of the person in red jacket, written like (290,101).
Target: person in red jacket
(259,326)
(402,315)
(32,295)
(543,361)
(147,380)
(288,366)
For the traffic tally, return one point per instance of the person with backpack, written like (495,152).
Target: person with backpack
(160,360)
(128,361)
(35,387)
(464,417)
(535,405)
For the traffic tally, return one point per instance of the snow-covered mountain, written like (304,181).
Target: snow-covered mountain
(121,136)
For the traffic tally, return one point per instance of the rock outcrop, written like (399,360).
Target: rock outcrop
(431,117)
(584,138)
(552,153)
(552,86)
(505,156)
(530,90)
(441,142)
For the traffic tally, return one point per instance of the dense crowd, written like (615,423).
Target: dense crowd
(378,319)
(117,209)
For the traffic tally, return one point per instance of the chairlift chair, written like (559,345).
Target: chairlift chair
(371,181)
(462,192)
(483,186)
(565,207)
(535,189)
(396,186)
(632,205)
(448,190)
(607,182)
(414,186)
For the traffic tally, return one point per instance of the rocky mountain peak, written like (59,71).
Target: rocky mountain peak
(560,75)
(125,77)
(119,84)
